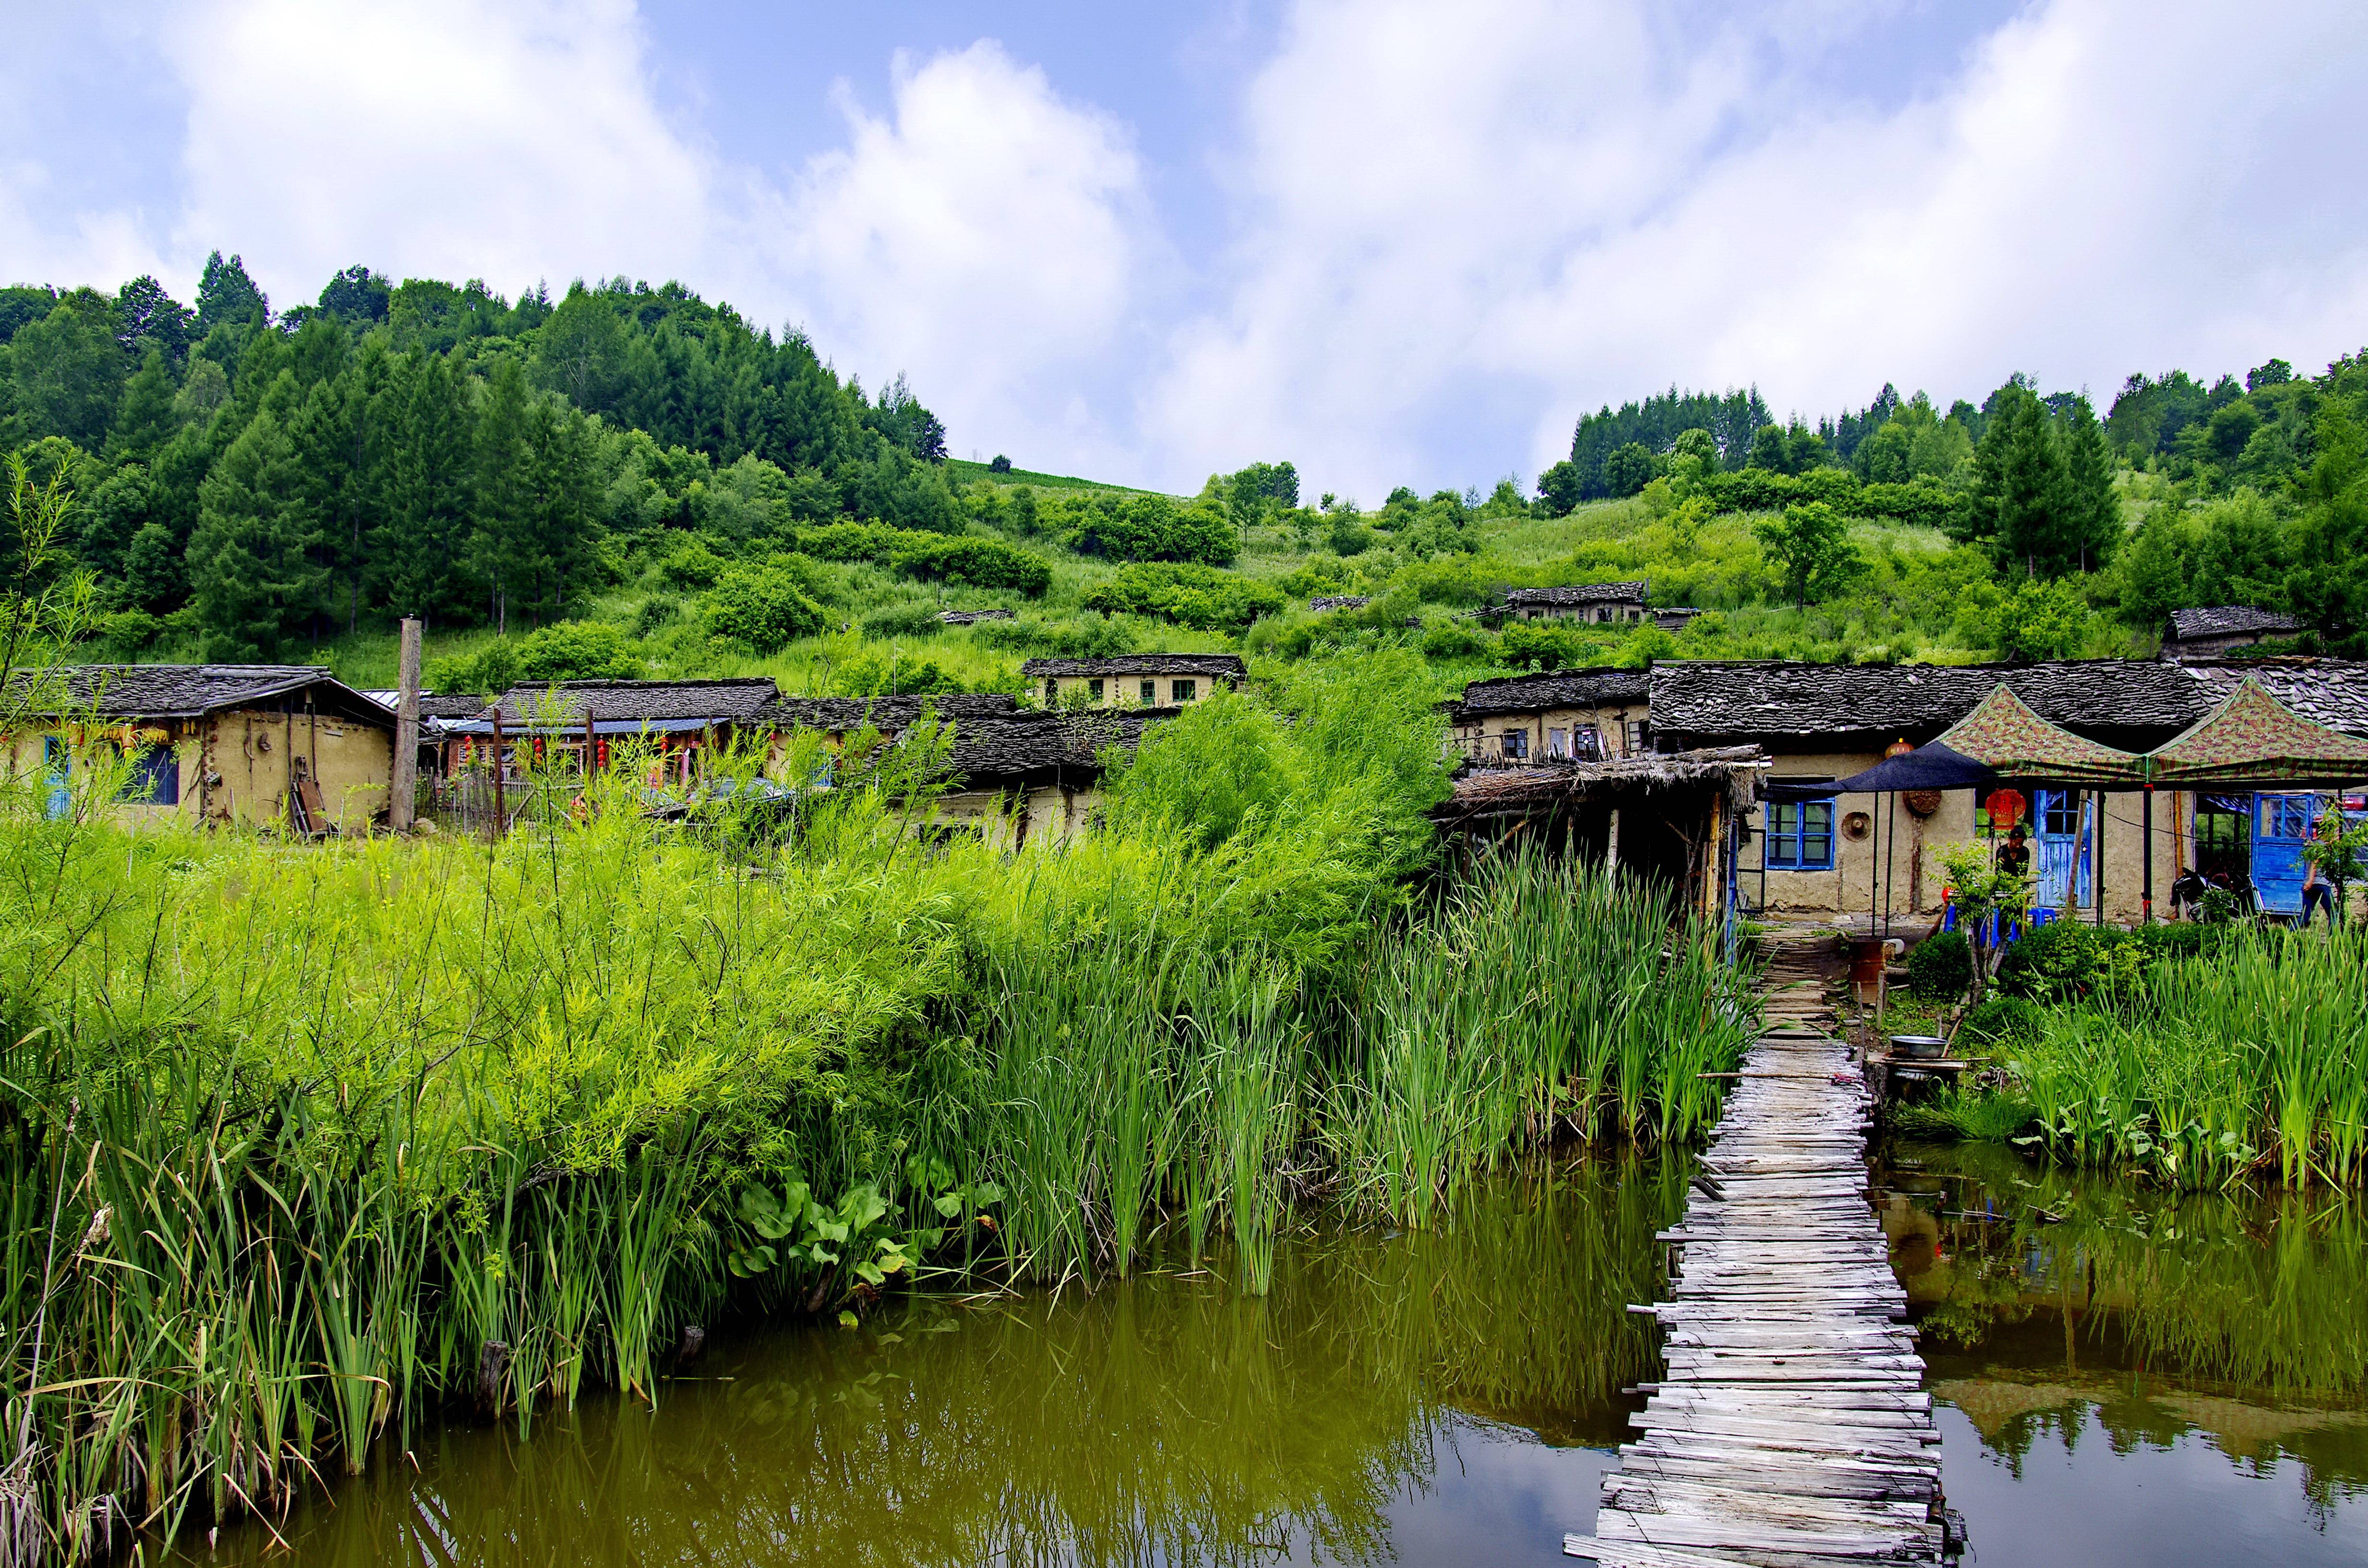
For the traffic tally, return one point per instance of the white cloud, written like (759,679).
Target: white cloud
(986,237)
(1509,212)
(97,245)
(448,139)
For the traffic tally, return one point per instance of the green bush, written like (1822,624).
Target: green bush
(1942,965)
(980,562)
(1454,640)
(762,605)
(689,564)
(1197,596)
(1154,527)
(567,650)
(2055,961)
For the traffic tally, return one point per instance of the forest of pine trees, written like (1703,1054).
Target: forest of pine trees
(263,481)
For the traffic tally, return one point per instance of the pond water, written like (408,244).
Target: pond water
(2122,1380)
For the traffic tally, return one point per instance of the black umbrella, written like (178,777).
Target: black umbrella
(1929,767)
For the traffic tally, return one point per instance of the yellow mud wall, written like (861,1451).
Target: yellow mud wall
(1909,867)
(1483,740)
(248,754)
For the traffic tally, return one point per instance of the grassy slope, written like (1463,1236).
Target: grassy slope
(1903,614)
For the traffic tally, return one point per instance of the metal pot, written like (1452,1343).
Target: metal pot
(1918,1046)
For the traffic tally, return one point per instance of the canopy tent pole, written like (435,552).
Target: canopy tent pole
(2146,859)
(1891,857)
(2099,883)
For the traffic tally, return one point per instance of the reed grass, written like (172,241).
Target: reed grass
(2203,1070)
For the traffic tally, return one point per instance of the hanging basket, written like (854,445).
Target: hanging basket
(1921,803)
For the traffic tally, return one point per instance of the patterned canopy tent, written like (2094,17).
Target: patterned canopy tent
(2252,738)
(2003,734)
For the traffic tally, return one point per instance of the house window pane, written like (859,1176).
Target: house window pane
(1052,690)
(1095,688)
(1589,746)
(1150,691)
(1184,690)
(1557,743)
(1517,742)
(1801,836)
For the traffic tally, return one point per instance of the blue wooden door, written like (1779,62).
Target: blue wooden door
(2280,825)
(2062,821)
(58,757)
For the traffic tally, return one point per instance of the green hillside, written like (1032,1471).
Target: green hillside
(632,481)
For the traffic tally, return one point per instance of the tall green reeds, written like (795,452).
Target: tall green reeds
(2202,1069)
(1536,995)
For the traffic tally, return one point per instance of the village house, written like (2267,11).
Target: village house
(678,722)
(1813,853)
(1594,603)
(2204,632)
(1569,715)
(277,745)
(1035,778)
(1820,854)
(1133,680)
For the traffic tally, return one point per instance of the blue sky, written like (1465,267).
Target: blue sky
(1391,242)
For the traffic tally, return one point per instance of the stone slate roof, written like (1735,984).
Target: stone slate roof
(1340,601)
(449,705)
(2332,691)
(1220,664)
(1038,747)
(2228,620)
(2125,702)
(658,704)
(1578,594)
(886,714)
(189,691)
(966,616)
(1603,688)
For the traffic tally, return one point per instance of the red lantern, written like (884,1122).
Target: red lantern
(2006,808)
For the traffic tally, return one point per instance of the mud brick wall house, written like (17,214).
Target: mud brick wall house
(678,723)
(1814,855)
(1608,604)
(1571,715)
(1133,680)
(270,745)
(1034,779)
(2204,632)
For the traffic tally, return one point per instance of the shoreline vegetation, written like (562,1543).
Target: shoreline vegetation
(2194,1055)
(306,1143)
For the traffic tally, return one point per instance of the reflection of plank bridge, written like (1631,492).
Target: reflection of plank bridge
(1791,1429)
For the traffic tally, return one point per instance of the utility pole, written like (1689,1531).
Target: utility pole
(402,801)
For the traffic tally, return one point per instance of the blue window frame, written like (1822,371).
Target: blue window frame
(155,778)
(1801,836)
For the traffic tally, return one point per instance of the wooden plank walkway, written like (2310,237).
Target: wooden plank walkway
(1791,1429)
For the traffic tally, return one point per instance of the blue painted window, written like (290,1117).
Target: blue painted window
(1801,836)
(154,778)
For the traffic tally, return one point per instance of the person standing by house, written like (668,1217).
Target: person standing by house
(2316,894)
(2014,854)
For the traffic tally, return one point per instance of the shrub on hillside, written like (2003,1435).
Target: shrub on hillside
(763,605)
(978,562)
(1197,596)
(1154,527)
(882,674)
(567,650)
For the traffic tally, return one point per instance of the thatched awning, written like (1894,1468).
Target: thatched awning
(1496,791)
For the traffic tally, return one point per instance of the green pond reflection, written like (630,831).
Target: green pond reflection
(1446,1395)
(2124,1375)
(2121,1377)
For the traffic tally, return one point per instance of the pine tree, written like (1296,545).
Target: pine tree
(2029,486)
(227,295)
(502,545)
(2089,511)
(145,418)
(422,524)
(251,564)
